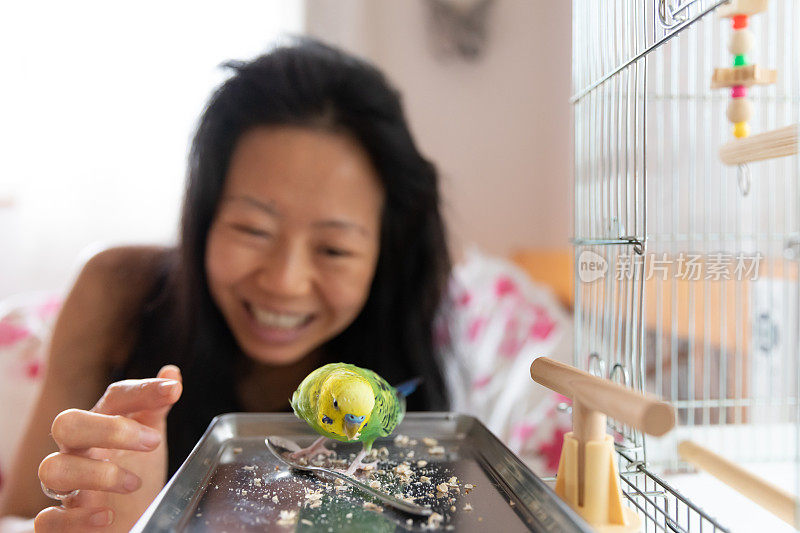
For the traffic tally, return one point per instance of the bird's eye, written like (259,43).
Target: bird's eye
(335,404)
(326,420)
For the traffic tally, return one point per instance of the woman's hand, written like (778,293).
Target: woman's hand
(115,454)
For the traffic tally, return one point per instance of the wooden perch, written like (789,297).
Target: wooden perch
(748,75)
(649,415)
(587,473)
(768,145)
(773,499)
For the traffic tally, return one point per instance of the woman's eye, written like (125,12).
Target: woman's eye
(335,252)
(252,231)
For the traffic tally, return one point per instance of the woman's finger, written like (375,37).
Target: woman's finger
(64,473)
(134,395)
(75,429)
(79,519)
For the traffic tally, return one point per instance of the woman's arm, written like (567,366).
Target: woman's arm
(94,330)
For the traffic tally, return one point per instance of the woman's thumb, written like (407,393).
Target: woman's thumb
(170,372)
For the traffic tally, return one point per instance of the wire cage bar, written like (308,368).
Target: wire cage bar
(687,271)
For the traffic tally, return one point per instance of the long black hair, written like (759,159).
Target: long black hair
(309,84)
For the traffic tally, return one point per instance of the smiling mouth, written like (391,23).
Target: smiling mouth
(277,320)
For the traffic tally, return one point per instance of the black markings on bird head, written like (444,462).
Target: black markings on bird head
(326,419)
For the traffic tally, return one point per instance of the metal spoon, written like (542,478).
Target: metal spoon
(388,499)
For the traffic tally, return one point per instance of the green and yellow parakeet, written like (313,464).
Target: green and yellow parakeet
(348,403)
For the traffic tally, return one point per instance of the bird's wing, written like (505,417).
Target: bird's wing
(387,412)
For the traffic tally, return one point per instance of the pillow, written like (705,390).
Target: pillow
(494,323)
(26,323)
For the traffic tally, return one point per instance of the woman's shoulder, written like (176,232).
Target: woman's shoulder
(125,269)
(99,316)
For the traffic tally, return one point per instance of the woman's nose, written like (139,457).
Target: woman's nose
(286,272)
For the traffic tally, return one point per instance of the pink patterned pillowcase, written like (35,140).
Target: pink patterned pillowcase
(26,323)
(495,322)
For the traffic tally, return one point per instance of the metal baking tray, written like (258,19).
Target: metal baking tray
(232,483)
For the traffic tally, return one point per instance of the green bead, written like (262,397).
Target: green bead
(739,60)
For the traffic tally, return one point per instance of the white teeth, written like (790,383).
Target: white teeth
(278,320)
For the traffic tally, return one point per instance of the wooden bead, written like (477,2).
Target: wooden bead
(741,130)
(741,42)
(739,110)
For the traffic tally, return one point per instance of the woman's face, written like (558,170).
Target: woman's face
(293,246)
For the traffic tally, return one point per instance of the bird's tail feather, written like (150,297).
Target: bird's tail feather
(407,387)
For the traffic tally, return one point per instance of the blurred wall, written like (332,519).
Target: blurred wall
(97,108)
(498,128)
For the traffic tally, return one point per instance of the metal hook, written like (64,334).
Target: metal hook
(597,367)
(743,178)
(619,370)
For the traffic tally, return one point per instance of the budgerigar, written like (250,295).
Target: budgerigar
(348,403)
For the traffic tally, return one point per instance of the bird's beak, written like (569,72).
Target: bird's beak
(351,429)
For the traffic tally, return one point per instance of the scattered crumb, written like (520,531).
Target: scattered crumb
(469,486)
(425,479)
(436,450)
(287,518)
(375,484)
(349,516)
(410,454)
(409,521)
(244,492)
(338,481)
(427,441)
(401,440)
(257,482)
(435,519)
(480,519)
(237,450)
(453,480)
(467,507)
(383,450)
(422,464)
(307,522)
(452,507)
(511,503)
(403,470)
(339,488)
(442,487)
(249,467)
(315,504)
(369,506)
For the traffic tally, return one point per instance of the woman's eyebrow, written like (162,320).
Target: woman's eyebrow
(266,207)
(342,224)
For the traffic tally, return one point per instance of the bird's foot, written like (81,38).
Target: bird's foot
(358,465)
(317,448)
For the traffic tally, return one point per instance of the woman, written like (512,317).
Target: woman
(310,233)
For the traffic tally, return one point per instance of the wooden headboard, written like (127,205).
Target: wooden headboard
(551,267)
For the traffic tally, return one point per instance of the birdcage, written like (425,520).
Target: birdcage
(686,266)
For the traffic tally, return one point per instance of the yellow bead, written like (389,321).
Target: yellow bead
(741,129)
(741,42)
(739,110)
